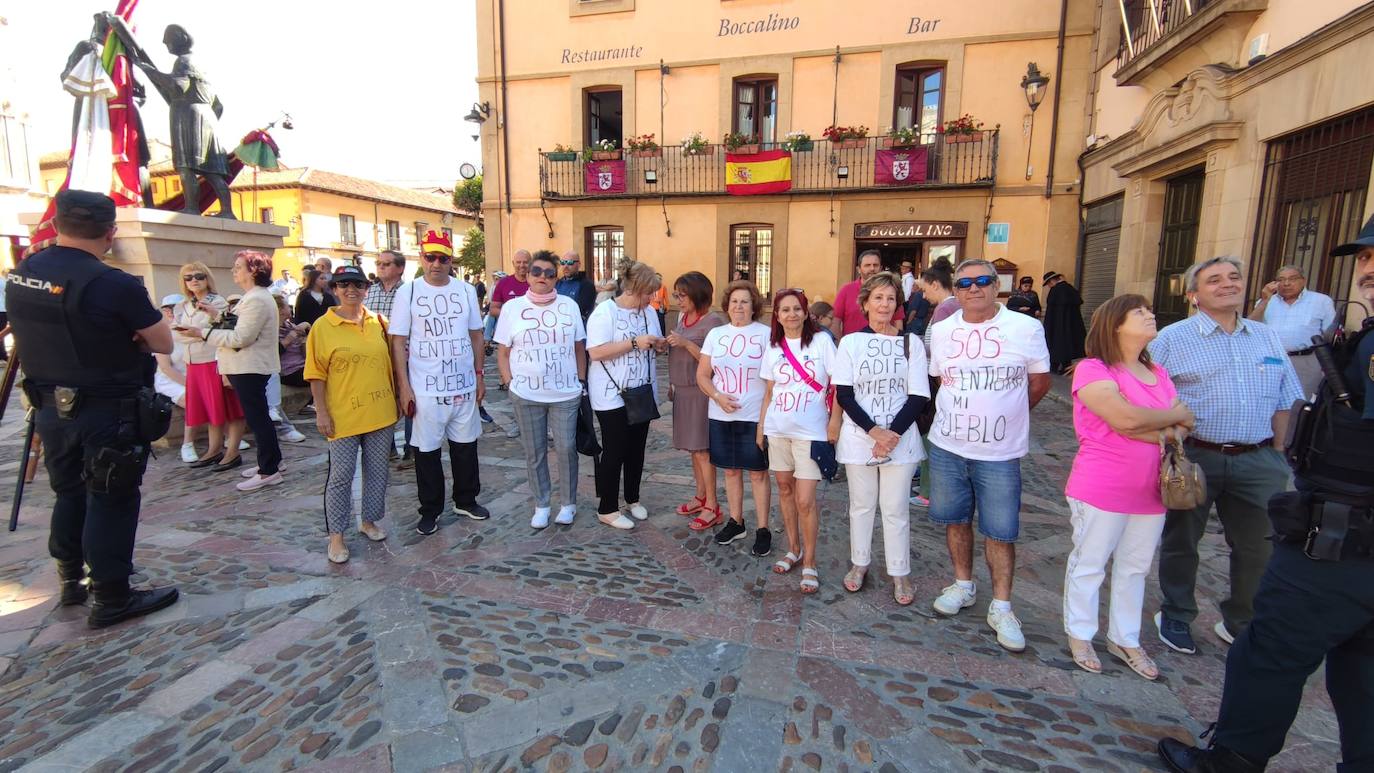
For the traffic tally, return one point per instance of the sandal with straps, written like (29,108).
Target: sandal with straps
(784,565)
(1084,656)
(901,590)
(854,579)
(810,581)
(692,508)
(1136,659)
(701,523)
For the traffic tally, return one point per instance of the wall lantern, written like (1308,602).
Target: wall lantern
(650,176)
(842,172)
(479,113)
(1033,84)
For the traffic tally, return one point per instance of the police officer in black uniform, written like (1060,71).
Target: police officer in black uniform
(1316,599)
(84,332)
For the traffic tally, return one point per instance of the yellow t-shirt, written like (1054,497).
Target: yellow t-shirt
(354,362)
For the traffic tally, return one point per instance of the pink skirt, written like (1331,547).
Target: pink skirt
(208,400)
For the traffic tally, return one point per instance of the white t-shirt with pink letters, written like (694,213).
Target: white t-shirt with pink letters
(982,410)
(797,410)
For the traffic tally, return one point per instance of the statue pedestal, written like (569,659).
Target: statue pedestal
(154,244)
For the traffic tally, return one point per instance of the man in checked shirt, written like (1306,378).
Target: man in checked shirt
(1235,376)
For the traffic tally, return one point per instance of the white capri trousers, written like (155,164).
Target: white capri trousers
(1130,541)
(882,488)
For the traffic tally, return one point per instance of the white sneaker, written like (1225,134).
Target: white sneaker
(637,510)
(188,452)
(243,445)
(513,431)
(566,515)
(954,598)
(1008,630)
(540,519)
(251,471)
(1220,630)
(274,415)
(615,520)
(258,481)
(292,435)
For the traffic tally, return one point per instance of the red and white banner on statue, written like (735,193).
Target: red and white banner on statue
(604,178)
(900,166)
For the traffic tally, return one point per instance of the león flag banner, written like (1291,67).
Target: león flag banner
(768,171)
(605,177)
(900,166)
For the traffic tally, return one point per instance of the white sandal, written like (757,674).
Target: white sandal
(811,581)
(784,565)
(1136,659)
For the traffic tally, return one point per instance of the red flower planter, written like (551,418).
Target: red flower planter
(605,155)
(855,142)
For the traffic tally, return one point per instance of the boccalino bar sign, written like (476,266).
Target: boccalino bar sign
(774,23)
(911,229)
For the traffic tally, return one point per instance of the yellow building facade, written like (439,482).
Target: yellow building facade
(572,73)
(1226,127)
(327,214)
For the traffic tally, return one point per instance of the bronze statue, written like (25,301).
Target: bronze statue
(195,111)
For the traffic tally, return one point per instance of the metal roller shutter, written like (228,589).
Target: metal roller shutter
(1101,241)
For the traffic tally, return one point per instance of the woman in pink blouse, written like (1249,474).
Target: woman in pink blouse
(1122,404)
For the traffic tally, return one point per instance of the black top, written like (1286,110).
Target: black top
(308,309)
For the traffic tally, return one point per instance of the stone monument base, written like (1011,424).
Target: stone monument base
(154,244)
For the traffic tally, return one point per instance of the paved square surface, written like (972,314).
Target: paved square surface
(492,647)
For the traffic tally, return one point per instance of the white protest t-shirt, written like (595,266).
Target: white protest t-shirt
(736,359)
(882,376)
(797,410)
(543,351)
(609,322)
(438,321)
(982,410)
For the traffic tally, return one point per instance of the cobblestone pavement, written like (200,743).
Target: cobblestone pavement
(493,647)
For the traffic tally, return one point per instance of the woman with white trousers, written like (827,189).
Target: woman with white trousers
(881,385)
(1122,403)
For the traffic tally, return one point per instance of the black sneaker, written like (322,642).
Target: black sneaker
(472,510)
(763,543)
(482,413)
(428,525)
(1176,634)
(731,531)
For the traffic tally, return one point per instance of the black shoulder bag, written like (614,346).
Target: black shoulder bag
(640,404)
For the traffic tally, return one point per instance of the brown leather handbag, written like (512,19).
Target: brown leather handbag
(1182,485)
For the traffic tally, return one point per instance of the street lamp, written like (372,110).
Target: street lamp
(1033,83)
(479,113)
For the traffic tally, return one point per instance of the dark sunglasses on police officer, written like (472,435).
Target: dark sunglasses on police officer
(969,281)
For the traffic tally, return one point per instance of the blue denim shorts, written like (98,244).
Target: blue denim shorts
(732,446)
(958,485)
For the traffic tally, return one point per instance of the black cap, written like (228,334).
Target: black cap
(1049,275)
(348,274)
(85,207)
(1365,238)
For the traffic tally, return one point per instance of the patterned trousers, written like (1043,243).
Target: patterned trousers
(535,421)
(343,460)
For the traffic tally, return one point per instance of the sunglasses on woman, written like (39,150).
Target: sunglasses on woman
(193,277)
(430,257)
(543,272)
(969,281)
(351,284)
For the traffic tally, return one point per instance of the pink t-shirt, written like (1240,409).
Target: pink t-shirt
(1111,471)
(852,318)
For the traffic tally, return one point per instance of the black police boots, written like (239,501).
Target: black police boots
(115,602)
(1183,758)
(71,575)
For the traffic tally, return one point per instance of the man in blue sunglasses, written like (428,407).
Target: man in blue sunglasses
(993,367)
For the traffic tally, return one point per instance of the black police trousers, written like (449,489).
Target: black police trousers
(98,527)
(1305,610)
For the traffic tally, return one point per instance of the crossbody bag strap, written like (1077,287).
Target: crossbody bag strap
(792,360)
(609,376)
(648,358)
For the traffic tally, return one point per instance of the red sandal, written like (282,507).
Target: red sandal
(701,524)
(688,508)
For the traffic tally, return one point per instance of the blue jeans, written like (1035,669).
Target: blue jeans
(959,485)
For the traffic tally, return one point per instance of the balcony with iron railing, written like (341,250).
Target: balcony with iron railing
(1184,34)
(820,166)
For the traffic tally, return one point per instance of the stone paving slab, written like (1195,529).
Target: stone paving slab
(494,647)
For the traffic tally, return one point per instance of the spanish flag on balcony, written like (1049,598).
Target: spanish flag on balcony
(768,171)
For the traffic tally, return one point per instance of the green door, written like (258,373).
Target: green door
(1178,244)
